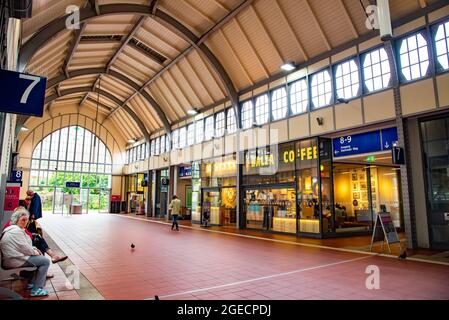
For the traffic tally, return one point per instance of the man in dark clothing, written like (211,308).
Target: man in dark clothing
(35,205)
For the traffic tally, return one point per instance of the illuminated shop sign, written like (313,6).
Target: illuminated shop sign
(309,153)
(227,168)
(261,158)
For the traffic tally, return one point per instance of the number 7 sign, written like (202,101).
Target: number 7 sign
(22,93)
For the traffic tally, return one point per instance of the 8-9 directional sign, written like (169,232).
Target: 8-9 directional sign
(22,93)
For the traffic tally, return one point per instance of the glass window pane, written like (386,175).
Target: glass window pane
(199,131)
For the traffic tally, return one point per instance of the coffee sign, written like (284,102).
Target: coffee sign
(307,153)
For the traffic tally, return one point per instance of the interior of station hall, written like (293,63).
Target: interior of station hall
(150,99)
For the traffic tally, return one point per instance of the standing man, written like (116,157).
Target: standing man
(35,205)
(175,207)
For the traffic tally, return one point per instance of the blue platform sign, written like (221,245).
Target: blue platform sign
(185,172)
(389,137)
(367,142)
(22,93)
(16,176)
(70,184)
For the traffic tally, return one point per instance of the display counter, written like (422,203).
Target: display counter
(287,225)
(309,225)
(214,215)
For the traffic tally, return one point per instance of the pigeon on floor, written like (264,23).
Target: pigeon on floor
(132,246)
(156,298)
(403,255)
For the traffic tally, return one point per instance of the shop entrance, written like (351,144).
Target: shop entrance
(220,205)
(361,191)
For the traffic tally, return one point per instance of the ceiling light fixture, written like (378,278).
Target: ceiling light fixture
(24,128)
(288,66)
(130,141)
(192,112)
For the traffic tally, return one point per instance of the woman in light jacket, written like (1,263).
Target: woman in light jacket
(18,251)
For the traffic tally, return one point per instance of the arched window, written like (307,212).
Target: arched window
(72,154)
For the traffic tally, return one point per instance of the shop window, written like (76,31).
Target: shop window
(191,134)
(271,209)
(414,57)
(209,128)
(231,121)
(199,131)
(247,114)
(299,96)
(175,139)
(442,45)
(279,104)
(347,81)
(220,124)
(376,70)
(262,109)
(321,89)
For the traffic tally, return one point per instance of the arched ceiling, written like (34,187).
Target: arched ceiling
(159,58)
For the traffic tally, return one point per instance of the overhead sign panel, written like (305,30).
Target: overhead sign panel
(367,142)
(22,93)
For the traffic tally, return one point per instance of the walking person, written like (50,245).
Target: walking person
(175,207)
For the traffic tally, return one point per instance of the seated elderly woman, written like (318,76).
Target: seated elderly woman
(18,251)
(34,231)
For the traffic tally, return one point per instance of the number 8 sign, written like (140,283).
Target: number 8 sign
(22,93)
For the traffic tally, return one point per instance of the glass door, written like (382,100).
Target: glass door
(229,203)
(211,205)
(105,195)
(84,200)
(58,204)
(94,200)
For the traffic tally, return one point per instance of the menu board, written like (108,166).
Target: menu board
(384,229)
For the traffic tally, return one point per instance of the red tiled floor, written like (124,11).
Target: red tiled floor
(173,265)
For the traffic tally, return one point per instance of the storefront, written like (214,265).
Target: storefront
(137,193)
(365,181)
(322,187)
(183,189)
(281,188)
(218,191)
(161,183)
(434,134)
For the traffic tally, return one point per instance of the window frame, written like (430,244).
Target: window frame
(268,118)
(332,99)
(433,32)
(287,113)
(362,56)
(193,141)
(209,135)
(290,85)
(397,53)
(234,124)
(223,129)
(242,119)
(334,78)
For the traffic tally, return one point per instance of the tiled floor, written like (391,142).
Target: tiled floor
(193,264)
